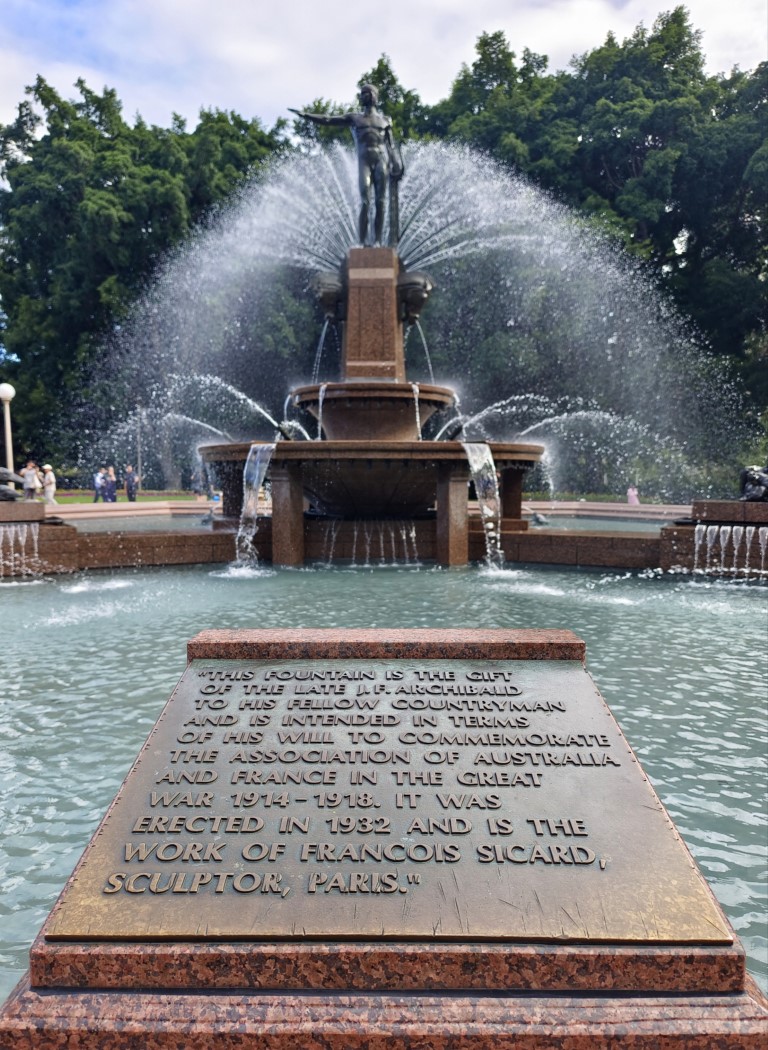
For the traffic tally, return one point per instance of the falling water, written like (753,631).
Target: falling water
(427,356)
(34,531)
(483,471)
(712,534)
(329,543)
(5,530)
(403,526)
(368,534)
(749,536)
(319,354)
(255,471)
(320,400)
(762,539)
(415,389)
(725,535)
(386,543)
(699,533)
(737,535)
(19,561)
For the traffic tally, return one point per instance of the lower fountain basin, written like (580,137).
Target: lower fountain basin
(364,479)
(370,410)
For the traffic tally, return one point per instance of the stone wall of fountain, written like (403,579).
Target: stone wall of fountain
(20,522)
(724,538)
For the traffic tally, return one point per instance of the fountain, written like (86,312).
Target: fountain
(529,299)
(371,460)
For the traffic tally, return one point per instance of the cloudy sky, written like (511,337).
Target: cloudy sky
(257,57)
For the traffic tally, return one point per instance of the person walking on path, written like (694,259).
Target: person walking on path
(632,497)
(110,486)
(131,483)
(49,484)
(32,482)
(99,482)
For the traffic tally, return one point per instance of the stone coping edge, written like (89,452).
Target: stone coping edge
(386,966)
(332,643)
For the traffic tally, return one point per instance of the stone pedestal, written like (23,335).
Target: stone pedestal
(452,534)
(373,332)
(288,512)
(512,493)
(378,839)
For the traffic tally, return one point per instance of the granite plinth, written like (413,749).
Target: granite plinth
(627,948)
(372,339)
(63,549)
(155,1021)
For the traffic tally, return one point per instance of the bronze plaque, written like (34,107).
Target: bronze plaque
(399,799)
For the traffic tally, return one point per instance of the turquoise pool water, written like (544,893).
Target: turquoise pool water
(88,663)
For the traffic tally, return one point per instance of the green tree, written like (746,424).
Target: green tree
(719,271)
(90,207)
(402,106)
(635,135)
(496,105)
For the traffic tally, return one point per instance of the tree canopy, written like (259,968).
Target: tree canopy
(635,135)
(91,206)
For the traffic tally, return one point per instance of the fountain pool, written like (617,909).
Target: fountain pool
(89,661)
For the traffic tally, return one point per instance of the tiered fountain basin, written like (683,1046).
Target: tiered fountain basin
(369,479)
(372,481)
(370,463)
(370,410)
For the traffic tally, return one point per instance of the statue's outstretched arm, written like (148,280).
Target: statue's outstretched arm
(322,118)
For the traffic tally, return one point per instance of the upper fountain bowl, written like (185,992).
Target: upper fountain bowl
(372,410)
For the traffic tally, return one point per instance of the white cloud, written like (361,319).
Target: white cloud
(168,55)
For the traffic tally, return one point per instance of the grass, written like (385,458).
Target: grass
(86,496)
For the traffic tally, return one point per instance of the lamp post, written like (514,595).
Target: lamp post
(139,466)
(7,394)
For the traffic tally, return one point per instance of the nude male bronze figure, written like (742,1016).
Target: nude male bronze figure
(379,161)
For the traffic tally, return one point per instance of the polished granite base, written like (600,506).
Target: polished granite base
(501,991)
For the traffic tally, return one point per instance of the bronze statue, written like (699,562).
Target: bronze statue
(378,158)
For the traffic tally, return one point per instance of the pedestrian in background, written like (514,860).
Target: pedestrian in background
(110,486)
(49,483)
(32,482)
(99,480)
(131,483)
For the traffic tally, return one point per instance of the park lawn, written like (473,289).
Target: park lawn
(153,496)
